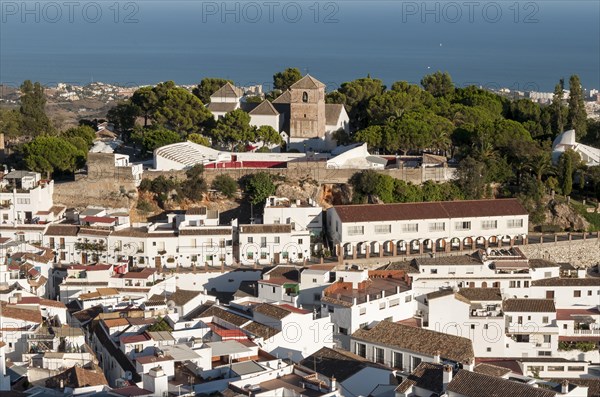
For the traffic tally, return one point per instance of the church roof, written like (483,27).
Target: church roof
(265,109)
(307,82)
(286,97)
(332,113)
(228,91)
(225,107)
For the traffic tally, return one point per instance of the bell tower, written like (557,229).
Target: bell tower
(307,108)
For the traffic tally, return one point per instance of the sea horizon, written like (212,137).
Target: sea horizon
(523,46)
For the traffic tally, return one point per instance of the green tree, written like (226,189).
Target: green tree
(357,94)
(179,110)
(471,176)
(199,139)
(225,184)
(34,120)
(11,122)
(438,84)
(123,116)
(284,80)
(258,187)
(84,132)
(254,99)
(209,86)
(49,154)
(565,173)
(160,325)
(146,101)
(372,136)
(558,108)
(577,116)
(268,135)
(541,165)
(233,128)
(155,137)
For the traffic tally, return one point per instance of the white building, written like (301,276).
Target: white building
(379,229)
(360,298)
(355,156)
(567,140)
(404,347)
(272,244)
(26,198)
(302,215)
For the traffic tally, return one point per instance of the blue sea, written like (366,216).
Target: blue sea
(521,45)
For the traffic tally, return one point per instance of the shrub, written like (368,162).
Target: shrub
(225,184)
(144,206)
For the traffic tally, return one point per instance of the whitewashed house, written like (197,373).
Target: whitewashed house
(27,198)
(302,215)
(378,229)
(404,347)
(273,244)
(360,298)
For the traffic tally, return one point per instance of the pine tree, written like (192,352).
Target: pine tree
(33,100)
(558,111)
(577,116)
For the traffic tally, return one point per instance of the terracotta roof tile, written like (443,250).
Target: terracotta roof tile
(429,210)
(255,229)
(529,305)
(567,282)
(418,340)
(473,384)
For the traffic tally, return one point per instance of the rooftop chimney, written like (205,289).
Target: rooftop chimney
(447,376)
(564,386)
(469,365)
(333,386)
(436,357)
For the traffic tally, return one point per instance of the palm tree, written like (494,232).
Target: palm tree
(541,165)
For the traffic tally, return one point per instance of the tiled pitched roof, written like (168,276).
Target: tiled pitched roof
(228,316)
(255,229)
(460,260)
(335,362)
(430,210)
(260,330)
(273,311)
(418,340)
(428,376)
(14,312)
(540,263)
(567,282)
(287,272)
(264,109)
(332,113)
(491,369)
(76,377)
(481,294)
(439,294)
(285,97)
(529,305)
(61,230)
(473,384)
(205,232)
(307,82)
(182,296)
(228,91)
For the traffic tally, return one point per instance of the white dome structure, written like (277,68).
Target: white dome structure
(567,140)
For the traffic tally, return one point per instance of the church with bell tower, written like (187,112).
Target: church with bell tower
(307,109)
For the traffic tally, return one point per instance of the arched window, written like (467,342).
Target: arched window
(305,96)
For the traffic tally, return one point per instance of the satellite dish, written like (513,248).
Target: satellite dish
(170,304)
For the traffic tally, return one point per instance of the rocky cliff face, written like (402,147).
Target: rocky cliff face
(562,215)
